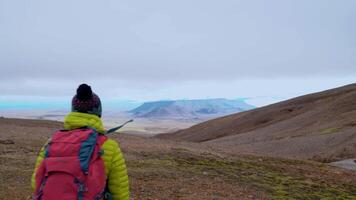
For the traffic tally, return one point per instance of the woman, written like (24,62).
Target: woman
(86,112)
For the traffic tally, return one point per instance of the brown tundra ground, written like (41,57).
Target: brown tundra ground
(161,169)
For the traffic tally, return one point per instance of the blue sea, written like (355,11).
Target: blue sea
(33,105)
(59,105)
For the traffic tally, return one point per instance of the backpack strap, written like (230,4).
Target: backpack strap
(86,150)
(107,196)
(40,190)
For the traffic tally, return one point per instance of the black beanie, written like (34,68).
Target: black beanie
(86,101)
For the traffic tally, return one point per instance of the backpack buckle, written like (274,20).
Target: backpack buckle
(82,188)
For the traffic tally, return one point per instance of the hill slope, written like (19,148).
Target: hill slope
(320,126)
(178,170)
(190,109)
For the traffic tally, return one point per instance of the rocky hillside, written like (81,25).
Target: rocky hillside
(320,126)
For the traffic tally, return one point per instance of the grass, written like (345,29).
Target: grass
(330,130)
(180,173)
(276,182)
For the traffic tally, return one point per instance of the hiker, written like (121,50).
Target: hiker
(80,162)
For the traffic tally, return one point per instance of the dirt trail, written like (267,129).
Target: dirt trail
(160,169)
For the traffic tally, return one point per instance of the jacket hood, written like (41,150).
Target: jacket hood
(76,120)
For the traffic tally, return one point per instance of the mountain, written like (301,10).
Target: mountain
(319,126)
(190,109)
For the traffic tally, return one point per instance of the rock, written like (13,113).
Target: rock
(7,142)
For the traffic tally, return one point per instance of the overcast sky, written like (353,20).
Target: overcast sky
(159,49)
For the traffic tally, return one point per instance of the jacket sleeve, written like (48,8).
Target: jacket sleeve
(38,162)
(118,181)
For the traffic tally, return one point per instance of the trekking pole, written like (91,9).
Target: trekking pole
(118,127)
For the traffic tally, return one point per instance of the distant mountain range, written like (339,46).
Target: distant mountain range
(190,109)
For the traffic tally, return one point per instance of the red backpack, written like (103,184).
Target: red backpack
(72,168)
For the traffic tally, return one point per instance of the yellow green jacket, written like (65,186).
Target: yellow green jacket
(115,167)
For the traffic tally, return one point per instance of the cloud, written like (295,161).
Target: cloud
(46,45)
